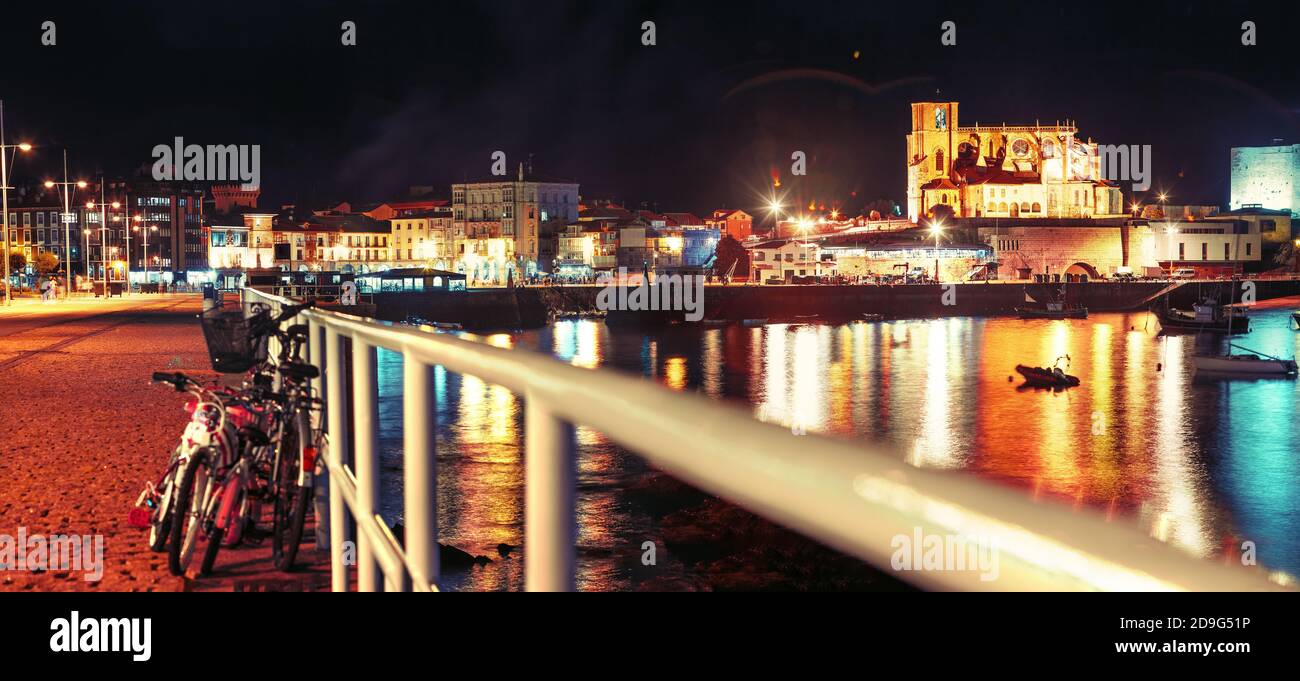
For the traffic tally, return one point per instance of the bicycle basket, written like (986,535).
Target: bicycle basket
(231,347)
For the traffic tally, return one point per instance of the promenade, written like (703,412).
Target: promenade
(82,428)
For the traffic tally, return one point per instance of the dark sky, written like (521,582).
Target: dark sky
(699,120)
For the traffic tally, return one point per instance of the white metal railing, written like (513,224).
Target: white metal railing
(849,495)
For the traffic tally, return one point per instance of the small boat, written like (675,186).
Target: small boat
(755,322)
(1053,311)
(1295,317)
(715,322)
(1249,362)
(421,321)
(1207,315)
(805,318)
(872,317)
(1048,377)
(1043,377)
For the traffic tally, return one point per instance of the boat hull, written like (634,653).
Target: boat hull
(1033,313)
(1037,377)
(1226,365)
(1239,325)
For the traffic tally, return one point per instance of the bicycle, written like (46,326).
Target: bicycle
(241,447)
(293,469)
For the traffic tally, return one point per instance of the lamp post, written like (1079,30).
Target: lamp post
(103,231)
(86,231)
(936,228)
(4,190)
(144,261)
(65,188)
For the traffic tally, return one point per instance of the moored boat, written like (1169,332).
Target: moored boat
(755,322)
(1043,377)
(1207,315)
(1244,364)
(1053,311)
(872,317)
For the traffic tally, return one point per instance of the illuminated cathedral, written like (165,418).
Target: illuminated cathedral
(1012,171)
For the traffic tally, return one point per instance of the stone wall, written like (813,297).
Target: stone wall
(1052,250)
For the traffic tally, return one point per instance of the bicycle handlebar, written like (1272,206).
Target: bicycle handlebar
(177,379)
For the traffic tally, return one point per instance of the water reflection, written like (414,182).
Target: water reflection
(1203,464)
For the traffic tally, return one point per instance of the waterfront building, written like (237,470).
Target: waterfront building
(347,243)
(584,248)
(411,280)
(1002,171)
(497,222)
(1274,226)
(176,209)
(422,237)
(35,227)
(954,261)
(735,223)
(178,248)
(779,261)
(1096,247)
(1266,177)
(699,246)
(1214,248)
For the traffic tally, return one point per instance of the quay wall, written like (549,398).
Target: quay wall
(532,307)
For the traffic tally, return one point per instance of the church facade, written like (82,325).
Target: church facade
(1025,171)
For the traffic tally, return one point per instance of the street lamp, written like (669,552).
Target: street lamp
(936,230)
(4,189)
(87,252)
(145,260)
(65,188)
(103,231)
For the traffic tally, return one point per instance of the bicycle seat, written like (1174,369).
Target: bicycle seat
(299,371)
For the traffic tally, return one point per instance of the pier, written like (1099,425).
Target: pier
(83,429)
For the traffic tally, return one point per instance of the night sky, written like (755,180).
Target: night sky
(700,120)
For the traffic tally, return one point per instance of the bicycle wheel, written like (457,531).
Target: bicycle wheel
(187,520)
(291,503)
(229,510)
(160,520)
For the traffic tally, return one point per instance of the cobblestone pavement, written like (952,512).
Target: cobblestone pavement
(82,428)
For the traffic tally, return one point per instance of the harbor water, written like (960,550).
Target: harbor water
(1203,463)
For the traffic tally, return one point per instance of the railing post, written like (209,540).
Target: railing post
(338,455)
(316,354)
(419,434)
(365,393)
(550,528)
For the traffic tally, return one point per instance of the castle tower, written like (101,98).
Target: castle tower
(227,197)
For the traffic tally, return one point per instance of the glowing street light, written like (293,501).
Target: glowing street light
(65,188)
(103,231)
(4,189)
(145,260)
(936,230)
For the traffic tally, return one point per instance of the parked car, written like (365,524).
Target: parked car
(1124,276)
(1183,273)
(917,275)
